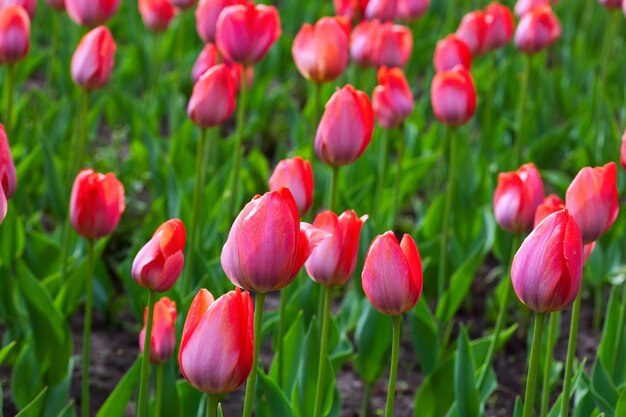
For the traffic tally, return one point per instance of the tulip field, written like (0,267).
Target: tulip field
(325,208)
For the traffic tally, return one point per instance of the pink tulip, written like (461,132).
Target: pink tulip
(156,14)
(547,269)
(163,336)
(500,25)
(353,9)
(382,10)
(183,4)
(206,60)
(450,52)
(215,86)
(94,58)
(4,206)
(91,13)
(297,175)
(551,204)
(29,5)
(236,70)
(453,96)
(391,45)
(392,98)
(207,13)
(217,345)
(537,30)
(524,6)
(7,168)
(361,40)
(14,34)
(392,274)
(411,10)
(473,31)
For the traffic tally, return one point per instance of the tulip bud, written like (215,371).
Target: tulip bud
(14,33)
(156,14)
(159,263)
(346,127)
(321,51)
(411,10)
(500,26)
(96,204)
(450,52)
(7,168)
(56,4)
(183,4)
(360,41)
(611,4)
(29,5)
(517,197)
(547,269)
(473,31)
(94,58)
(382,10)
(267,245)
(392,274)
(91,13)
(622,154)
(206,60)
(353,9)
(391,45)
(217,346)
(245,33)
(333,262)
(297,175)
(392,98)
(163,336)
(215,86)
(551,204)
(453,96)
(592,200)
(524,6)
(207,13)
(537,30)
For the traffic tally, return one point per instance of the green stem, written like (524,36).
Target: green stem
(145,359)
(619,331)
(332,196)
(155,62)
(597,307)
(211,405)
(365,402)
(521,106)
(159,391)
(397,192)
(10,86)
(531,381)
(282,319)
(87,327)
(547,364)
(383,154)
(82,124)
(258,323)
(321,370)
(237,153)
(443,242)
(393,371)
(571,352)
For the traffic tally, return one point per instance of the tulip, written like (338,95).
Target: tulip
(183,4)
(381,9)
(353,9)
(391,45)
(360,42)
(517,197)
(91,13)
(96,204)
(453,96)
(215,86)
(611,4)
(551,204)
(28,5)
(524,6)
(267,245)
(156,14)
(547,269)
(56,4)
(392,98)
(321,51)
(207,13)
(410,10)
(473,31)
(163,337)
(14,33)
(333,262)
(206,60)
(622,154)
(537,30)
(94,58)
(3,206)
(236,70)
(392,274)
(245,32)
(7,168)
(346,127)
(217,345)
(592,200)
(297,175)
(500,26)
(450,52)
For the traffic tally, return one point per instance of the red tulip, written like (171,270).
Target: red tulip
(524,6)
(8,180)
(160,262)
(156,14)
(592,200)
(28,5)
(217,345)
(500,26)
(622,154)
(246,32)
(537,30)
(392,274)
(321,51)
(453,96)
(551,204)
(56,4)
(14,34)
(91,12)
(411,10)
(547,269)
(611,4)
(206,60)
(267,245)
(297,175)
(333,262)
(163,336)
(354,9)
(381,9)
(207,14)
(473,31)
(236,71)
(517,197)
(183,4)
(94,58)
(96,204)
(215,86)
(360,41)
(391,45)
(346,127)
(392,98)
(450,52)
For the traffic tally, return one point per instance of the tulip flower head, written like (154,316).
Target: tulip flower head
(453,96)
(391,45)
(500,26)
(524,6)
(353,9)
(346,127)
(392,99)
(551,204)
(96,204)
(91,13)
(473,31)
(8,180)
(297,175)
(547,269)
(382,10)
(392,274)
(450,52)
(14,33)
(320,51)
(29,5)
(611,4)
(592,200)
(537,30)
(267,245)
(207,13)
(205,61)
(217,346)
(163,336)
(361,42)
(214,86)
(156,14)
(94,58)
(237,71)
(183,4)
(411,10)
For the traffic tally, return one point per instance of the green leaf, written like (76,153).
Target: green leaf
(116,403)
(292,346)
(373,343)
(620,409)
(34,408)
(25,377)
(603,389)
(219,410)
(13,237)
(5,352)
(466,392)
(271,400)
(425,335)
